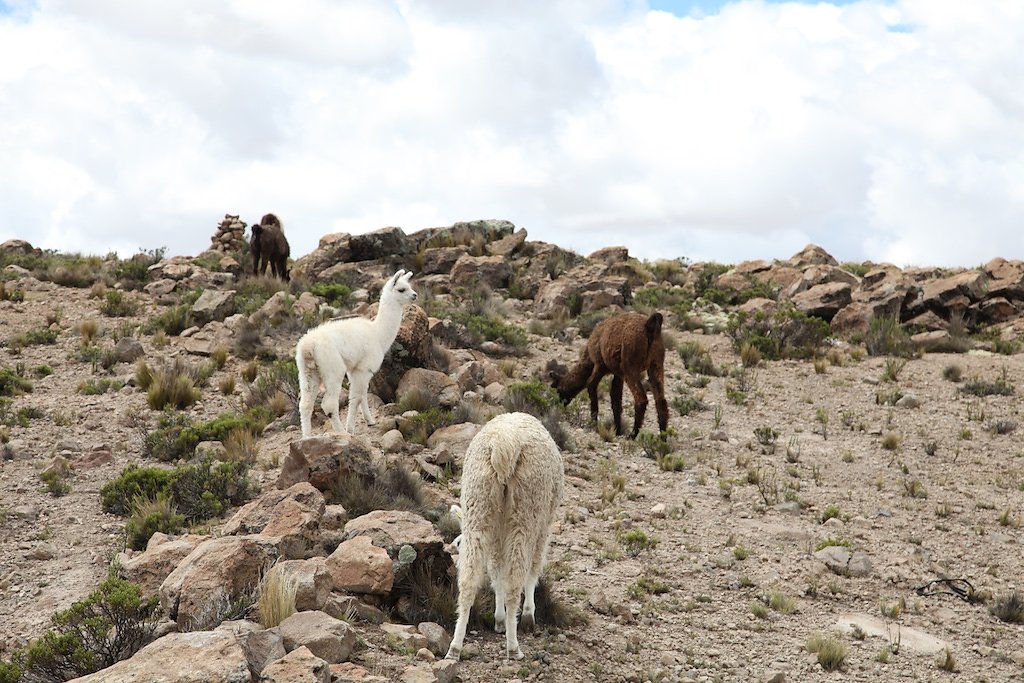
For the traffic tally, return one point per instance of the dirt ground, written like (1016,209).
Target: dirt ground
(706,573)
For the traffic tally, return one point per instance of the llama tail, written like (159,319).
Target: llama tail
(305,362)
(504,456)
(653,327)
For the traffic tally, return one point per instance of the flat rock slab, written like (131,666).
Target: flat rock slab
(909,638)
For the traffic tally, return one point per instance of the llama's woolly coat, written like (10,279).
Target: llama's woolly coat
(269,246)
(354,347)
(512,482)
(627,346)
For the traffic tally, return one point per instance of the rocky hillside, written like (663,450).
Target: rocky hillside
(839,495)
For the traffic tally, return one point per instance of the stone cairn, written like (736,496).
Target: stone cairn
(230,234)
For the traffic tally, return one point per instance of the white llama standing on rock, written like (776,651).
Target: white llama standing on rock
(354,347)
(512,481)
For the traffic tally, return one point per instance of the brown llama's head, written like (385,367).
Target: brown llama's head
(558,376)
(270,219)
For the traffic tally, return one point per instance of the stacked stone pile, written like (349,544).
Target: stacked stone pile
(230,234)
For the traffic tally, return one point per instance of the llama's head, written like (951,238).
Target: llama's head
(398,290)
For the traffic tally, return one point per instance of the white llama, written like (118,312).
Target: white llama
(512,480)
(353,347)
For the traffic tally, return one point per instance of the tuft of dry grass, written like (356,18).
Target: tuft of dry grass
(173,386)
(219,357)
(276,601)
(240,446)
(1009,607)
(251,371)
(88,329)
(831,651)
(226,385)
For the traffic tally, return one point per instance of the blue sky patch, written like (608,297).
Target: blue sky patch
(699,8)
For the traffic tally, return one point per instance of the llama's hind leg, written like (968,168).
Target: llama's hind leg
(616,397)
(471,576)
(332,380)
(655,375)
(309,387)
(592,383)
(358,386)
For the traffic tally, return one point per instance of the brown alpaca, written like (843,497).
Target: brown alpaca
(626,346)
(269,245)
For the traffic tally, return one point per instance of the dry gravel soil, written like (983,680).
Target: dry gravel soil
(742,590)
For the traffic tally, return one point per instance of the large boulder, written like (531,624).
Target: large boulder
(391,529)
(471,271)
(162,556)
(311,579)
(261,645)
(823,301)
(358,566)
(379,244)
(322,460)
(214,304)
(194,657)
(298,666)
(411,349)
(436,385)
(812,255)
(326,637)
(292,516)
(219,572)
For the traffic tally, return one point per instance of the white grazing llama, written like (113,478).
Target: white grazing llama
(512,480)
(353,347)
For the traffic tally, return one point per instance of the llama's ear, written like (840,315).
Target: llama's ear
(407,277)
(394,278)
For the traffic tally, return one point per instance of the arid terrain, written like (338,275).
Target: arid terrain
(702,565)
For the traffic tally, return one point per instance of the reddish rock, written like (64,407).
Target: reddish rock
(358,566)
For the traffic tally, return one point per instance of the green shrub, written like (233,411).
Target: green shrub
(173,386)
(280,377)
(110,625)
(175,320)
(133,273)
(252,292)
(886,337)
(134,483)
(55,483)
(697,359)
(979,387)
(199,492)
(394,488)
(419,427)
(93,387)
(10,672)
(150,515)
(336,294)
(39,337)
(176,436)
(534,397)
(12,383)
(782,333)
(117,305)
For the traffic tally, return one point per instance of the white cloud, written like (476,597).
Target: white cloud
(880,130)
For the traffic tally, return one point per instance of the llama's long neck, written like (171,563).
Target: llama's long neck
(388,320)
(575,379)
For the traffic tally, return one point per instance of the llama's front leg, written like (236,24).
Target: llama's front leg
(358,386)
(639,403)
(617,404)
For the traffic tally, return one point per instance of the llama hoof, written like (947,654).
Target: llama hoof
(526,623)
(515,654)
(499,627)
(453,653)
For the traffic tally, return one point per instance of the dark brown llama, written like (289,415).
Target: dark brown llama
(269,246)
(626,346)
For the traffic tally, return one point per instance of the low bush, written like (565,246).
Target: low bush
(110,625)
(177,436)
(117,305)
(782,333)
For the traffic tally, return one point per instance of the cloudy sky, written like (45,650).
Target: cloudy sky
(889,130)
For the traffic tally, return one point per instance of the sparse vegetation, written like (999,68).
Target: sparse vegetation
(831,651)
